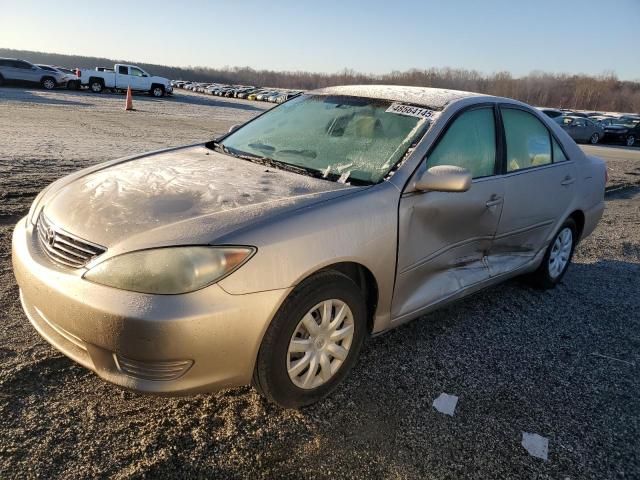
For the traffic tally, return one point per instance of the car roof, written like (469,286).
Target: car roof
(435,98)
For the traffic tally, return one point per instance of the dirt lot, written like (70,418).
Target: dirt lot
(564,364)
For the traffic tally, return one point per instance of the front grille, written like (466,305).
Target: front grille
(158,371)
(64,248)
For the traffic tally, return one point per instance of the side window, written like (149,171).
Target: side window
(22,65)
(580,122)
(122,70)
(558,153)
(528,140)
(136,72)
(470,142)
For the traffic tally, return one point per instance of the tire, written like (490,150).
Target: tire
(48,83)
(157,91)
(276,358)
(549,273)
(1,81)
(96,86)
(631,141)
(595,138)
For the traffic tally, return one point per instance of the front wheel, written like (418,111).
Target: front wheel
(595,138)
(557,257)
(631,140)
(313,341)
(157,91)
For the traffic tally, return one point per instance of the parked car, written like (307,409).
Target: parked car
(274,251)
(573,113)
(623,130)
(123,76)
(70,79)
(286,96)
(581,129)
(551,112)
(602,120)
(16,71)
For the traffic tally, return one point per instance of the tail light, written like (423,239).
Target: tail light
(78,73)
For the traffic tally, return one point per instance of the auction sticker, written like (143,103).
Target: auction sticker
(410,111)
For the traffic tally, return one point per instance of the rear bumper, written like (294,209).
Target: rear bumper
(173,344)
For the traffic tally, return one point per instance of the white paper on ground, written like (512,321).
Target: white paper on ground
(445,403)
(536,445)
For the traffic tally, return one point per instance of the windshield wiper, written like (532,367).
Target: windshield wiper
(270,162)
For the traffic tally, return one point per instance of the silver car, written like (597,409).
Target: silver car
(13,70)
(270,255)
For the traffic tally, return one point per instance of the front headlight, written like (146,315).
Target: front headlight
(170,270)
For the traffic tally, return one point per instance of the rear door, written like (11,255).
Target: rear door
(122,77)
(539,184)
(444,238)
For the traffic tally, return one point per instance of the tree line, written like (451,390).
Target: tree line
(603,92)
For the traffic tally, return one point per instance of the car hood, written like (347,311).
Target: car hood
(190,195)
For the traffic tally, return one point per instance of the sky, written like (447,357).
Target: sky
(569,36)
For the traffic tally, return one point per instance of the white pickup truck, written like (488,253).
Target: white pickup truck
(123,76)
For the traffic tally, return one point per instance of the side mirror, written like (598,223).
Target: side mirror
(444,178)
(233,128)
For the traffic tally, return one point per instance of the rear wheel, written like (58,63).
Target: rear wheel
(631,140)
(557,257)
(96,86)
(48,83)
(595,138)
(313,341)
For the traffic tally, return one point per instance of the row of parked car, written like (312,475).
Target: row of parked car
(248,92)
(595,127)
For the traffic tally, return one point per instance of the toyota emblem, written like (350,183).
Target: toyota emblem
(50,236)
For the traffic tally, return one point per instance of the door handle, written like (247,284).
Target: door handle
(568,180)
(493,201)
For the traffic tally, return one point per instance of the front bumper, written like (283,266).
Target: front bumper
(615,136)
(176,344)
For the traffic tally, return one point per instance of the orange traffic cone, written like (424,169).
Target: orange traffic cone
(129,101)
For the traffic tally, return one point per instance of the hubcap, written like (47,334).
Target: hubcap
(594,138)
(157,92)
(49,84)
(630,141)
(95,87)
(560,252)
(320,344)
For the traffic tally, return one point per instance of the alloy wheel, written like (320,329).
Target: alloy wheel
(594,138)
(320,344)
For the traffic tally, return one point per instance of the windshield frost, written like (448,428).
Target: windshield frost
(346,137)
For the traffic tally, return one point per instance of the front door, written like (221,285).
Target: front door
(445,238)
(539,185)
(139,80)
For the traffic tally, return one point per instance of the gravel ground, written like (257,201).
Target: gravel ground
(563,364)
